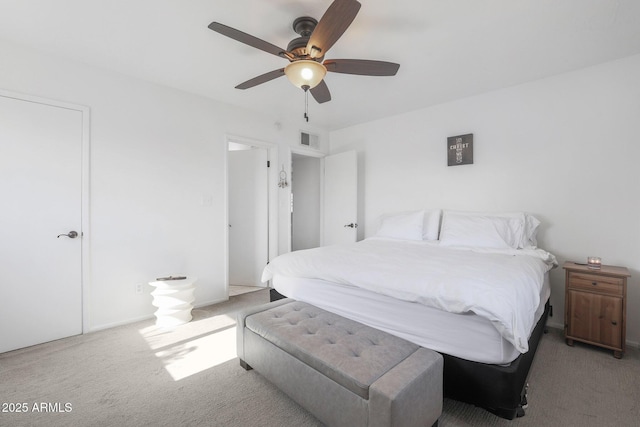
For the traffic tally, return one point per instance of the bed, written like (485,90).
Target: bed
(472,286)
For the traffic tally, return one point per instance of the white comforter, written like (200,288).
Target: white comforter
(501,285)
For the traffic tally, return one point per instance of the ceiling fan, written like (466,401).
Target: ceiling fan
(307,67)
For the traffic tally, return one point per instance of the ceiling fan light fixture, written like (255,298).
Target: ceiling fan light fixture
(305,72)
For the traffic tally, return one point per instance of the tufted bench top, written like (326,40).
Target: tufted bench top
(351,354)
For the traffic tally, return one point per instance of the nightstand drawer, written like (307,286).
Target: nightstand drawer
(595,282)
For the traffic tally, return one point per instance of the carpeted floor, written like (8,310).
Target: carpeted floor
(141,375)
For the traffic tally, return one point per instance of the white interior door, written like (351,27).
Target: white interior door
(340,198)
(248,216)
(41,198)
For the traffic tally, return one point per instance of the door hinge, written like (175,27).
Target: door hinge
(268,163)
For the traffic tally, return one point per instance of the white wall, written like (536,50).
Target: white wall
(564,149)
(155,154)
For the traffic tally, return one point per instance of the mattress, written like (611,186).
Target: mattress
(501,285)
(465,335)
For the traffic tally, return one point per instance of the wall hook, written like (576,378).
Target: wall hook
(283,179)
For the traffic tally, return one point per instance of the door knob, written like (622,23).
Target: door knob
(352,225)
(72,234)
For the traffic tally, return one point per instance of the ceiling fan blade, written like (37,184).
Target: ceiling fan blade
(363,67)
(331,26)
(321,93)
(261,79)
(247,39)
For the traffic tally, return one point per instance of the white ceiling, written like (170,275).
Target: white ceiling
(447,49)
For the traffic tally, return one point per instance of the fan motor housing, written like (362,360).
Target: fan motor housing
(298,46)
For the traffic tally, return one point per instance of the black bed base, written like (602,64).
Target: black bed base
(500,390)
(275,295)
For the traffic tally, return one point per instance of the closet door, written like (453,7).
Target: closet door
(340,198)
(248,216)
(40,222)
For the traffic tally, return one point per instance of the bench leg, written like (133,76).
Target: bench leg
(245,365)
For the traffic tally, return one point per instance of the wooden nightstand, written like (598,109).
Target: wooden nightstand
(595,309)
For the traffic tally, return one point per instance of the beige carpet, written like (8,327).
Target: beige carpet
(140,375)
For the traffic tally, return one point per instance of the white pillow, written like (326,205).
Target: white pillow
(484,231)
(431,226)
(530,227)
(407,226)
(530,231)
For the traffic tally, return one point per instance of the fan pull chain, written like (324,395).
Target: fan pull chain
(306,102)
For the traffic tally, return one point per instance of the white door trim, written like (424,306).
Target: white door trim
(307,152)
(85,205)
(272,157)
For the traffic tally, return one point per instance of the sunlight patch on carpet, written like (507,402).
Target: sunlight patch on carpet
(194,347)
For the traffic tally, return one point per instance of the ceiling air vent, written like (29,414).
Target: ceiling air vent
(309,140)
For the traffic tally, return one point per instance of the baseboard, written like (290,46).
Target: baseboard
(633,344)
(121,323)
(212,302)
(146,317)
(554,325)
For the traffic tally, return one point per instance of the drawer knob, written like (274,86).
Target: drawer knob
(613,322)
(594,283)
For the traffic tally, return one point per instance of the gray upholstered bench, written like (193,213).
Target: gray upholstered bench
(343,372)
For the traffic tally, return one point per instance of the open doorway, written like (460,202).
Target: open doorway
(248,214)
(306,210)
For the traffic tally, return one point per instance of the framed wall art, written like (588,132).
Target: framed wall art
(460,150)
